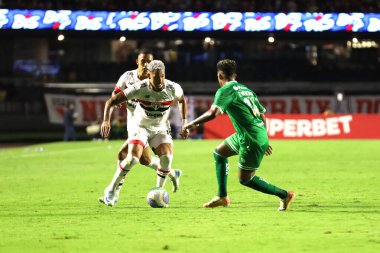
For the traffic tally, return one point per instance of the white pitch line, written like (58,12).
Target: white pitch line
(49,153)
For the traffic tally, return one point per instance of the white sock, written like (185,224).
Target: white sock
(120,185)
(124,167)
(155,164)
(161,177)
(166,163)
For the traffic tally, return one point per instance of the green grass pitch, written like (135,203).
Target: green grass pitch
(48,201)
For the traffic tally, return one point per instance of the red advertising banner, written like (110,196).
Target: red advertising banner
(88,108)
(289,117)
(307,104)
(300,126)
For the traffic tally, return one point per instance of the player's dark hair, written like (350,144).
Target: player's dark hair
(144,51)
(227,66)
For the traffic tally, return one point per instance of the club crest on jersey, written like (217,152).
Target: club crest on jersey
(156,105)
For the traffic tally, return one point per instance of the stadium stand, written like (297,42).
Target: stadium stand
(201,5)
(305,63)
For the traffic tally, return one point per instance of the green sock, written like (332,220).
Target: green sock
(222,169)
(259,184)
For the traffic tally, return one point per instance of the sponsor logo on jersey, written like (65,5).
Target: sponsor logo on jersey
(155,114)
(155,105)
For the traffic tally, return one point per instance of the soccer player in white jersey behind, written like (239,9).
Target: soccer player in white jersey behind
(144,57)
(155,95)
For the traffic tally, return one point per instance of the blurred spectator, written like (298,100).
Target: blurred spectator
(292,6)
(69,118)
(197,132)
(328,112)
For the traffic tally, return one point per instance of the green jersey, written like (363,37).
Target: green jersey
(243,108)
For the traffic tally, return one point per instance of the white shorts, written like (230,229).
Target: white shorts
(131,128)
(146,137)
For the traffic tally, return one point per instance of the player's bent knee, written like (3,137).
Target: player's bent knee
(244,181)
(218,157)
(245,177)
(129,162)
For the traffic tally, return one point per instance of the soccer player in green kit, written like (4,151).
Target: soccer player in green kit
(250,141)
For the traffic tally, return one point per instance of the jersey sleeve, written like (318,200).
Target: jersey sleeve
(222,100)
(132,91)
(121,84)
(178,91)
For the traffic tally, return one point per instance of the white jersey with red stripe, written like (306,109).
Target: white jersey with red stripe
(154,106)
(125,80)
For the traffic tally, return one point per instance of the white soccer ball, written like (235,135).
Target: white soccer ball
(157,197)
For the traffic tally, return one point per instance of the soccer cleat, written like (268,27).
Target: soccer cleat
(175,180)
(109,199)
(285,203)
(217,201)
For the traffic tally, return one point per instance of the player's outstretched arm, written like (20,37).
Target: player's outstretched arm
(105,129)
(114,100)
(183,111)
(207,116)
(113,94)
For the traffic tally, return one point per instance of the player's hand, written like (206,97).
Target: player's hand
(105,129)
(187,126)
(269,150)
(184,133)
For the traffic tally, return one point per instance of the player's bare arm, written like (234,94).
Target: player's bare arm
(114,100)
(113,94)
(207,116)
(182,103)
(269,149)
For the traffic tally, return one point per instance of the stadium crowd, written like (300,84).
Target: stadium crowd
(200,5)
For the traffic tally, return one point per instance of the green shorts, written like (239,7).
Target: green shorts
(250,152)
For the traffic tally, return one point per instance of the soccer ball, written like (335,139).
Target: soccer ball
(157,197)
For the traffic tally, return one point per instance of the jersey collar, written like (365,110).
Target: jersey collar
(230,82)
(150,86)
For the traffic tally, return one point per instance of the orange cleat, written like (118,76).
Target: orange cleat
(285,203)
(217,201)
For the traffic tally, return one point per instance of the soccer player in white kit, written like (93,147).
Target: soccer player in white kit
(155,96)
(144,57)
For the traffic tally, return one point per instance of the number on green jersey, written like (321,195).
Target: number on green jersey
(251,104)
